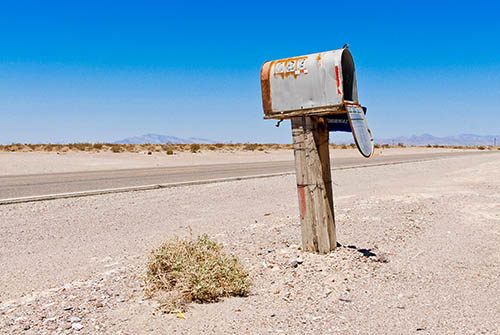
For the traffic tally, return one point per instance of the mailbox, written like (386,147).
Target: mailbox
(321,84)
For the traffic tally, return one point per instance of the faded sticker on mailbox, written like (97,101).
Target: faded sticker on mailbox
(290,66)
(279,68)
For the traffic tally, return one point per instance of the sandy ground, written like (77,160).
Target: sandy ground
(419,255)
(19,163)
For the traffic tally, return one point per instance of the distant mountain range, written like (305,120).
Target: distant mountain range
(425,139)
(421,140)
(162,139)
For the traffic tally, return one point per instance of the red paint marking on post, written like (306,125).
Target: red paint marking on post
(302,201)
(338,79)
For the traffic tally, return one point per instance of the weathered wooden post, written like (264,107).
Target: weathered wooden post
(319,94)
(314,183)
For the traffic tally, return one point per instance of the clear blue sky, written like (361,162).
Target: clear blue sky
(103,70)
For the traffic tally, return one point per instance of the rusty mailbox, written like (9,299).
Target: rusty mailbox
(321,84)
(319,94)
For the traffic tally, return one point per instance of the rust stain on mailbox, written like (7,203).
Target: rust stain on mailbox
(316,84)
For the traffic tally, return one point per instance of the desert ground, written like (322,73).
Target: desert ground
(418,250)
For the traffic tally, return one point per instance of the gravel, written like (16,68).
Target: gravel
(418,253)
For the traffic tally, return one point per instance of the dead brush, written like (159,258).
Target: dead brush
(194,148)
(250,147)
(182,271)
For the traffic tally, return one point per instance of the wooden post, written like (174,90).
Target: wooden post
(314,183)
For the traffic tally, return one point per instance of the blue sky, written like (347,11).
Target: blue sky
(103,70)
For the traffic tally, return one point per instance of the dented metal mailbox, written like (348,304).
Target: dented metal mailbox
(321,84)
(316,84)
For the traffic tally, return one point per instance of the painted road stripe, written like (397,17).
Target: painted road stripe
(178,184)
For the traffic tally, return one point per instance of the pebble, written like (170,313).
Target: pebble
(48,305)
(74,319)
(294,264)
(77,326)
(382,258)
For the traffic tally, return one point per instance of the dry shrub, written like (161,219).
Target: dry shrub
(168,147)
(481,147)
(49,147)
(170,152)
(116,148)
(251,147)
(219,145)
(194,147)
(181,271)
(14,147)
(80,146)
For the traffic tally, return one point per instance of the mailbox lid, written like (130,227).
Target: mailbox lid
(316,82)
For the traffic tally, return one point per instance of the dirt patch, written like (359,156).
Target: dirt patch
(418,253)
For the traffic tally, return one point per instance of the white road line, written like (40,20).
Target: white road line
(133,188)
(177,184)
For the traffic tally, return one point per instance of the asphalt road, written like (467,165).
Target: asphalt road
(54,183)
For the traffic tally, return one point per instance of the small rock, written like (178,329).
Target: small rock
(74,319)
(68,308)
(20,319)
(48,305)
(99,305)
(382,258)
(294,264)
(300,260)
(77,326)
(27,327)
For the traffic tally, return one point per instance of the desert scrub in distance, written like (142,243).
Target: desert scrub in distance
(183,270)
(194,147)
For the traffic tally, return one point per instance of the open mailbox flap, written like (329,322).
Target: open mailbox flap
(360,131)
(354,121)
